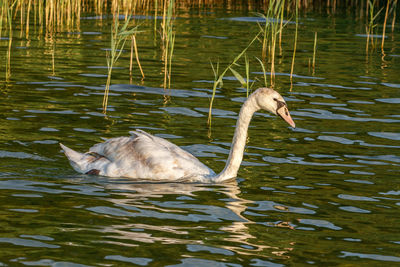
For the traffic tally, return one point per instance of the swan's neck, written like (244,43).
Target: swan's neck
(239,140)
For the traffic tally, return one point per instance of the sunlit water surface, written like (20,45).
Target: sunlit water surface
(325,192)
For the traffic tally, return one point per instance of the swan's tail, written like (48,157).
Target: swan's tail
(79,161)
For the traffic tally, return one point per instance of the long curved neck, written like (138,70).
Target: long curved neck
(239,140)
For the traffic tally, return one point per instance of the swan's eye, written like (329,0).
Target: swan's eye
(280,104)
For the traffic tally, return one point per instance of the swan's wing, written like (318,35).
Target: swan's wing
(146,156)
(161,142)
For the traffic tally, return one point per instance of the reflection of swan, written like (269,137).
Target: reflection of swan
(184,215)
(149,157)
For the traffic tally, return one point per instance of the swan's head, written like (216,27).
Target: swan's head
(270,100)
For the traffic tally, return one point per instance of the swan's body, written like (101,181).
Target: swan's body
(145,156)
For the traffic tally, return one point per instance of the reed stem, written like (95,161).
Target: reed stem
(315,51)
(119,37)
(218,77)
(294,46)
(384,26)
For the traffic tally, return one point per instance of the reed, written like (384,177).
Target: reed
(371,25)
(119,37)
(168,39)
(134,48)
(67,12)
(9,7)
(247,65)
(272,28)
(281,25)
(218,77)
(314,52)
(394,8)
(294,46)
(384,25)
(264,71)
(3,13)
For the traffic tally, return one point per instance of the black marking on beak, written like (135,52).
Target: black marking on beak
(280,104)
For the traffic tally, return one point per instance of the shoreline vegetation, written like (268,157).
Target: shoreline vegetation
(50,17)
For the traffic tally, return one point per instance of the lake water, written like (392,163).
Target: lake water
(327,192)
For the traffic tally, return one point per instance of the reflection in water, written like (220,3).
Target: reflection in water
(139,199)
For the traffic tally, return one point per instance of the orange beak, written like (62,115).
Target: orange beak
(283,112)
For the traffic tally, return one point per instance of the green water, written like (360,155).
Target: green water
(327,192)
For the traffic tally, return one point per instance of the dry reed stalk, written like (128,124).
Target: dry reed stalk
(2,16)
(155,15)
(294,47)
(9,8)
(273,63)
(53,52)
(394,15)
(163,26)
(384,25)
(315,51)
(134,48)
(281,27)
(27,19)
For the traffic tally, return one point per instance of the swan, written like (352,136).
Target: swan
(145,156)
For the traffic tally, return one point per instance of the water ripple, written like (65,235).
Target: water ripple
(27,243)
(320,223)
(377,257)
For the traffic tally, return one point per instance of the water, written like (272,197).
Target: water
(326,192)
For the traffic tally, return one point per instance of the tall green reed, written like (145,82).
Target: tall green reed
(168,39)
(314,51)
(218,77)
(9,7)
(134,48)
(294,45)
(119,37)
(272,28)
(370,27)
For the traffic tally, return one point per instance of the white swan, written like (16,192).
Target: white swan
(145,156)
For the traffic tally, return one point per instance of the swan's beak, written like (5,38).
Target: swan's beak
(283,112)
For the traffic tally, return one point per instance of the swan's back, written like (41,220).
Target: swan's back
(144,156)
